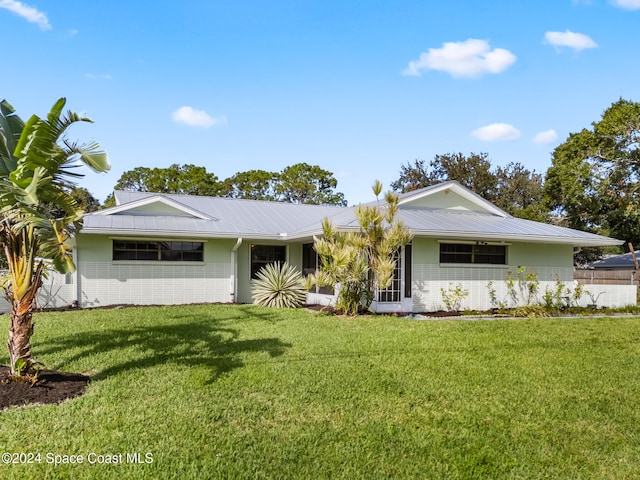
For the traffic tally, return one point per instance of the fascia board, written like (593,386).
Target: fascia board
(576,241)
(176,233)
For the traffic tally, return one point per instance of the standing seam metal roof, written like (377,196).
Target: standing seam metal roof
(260,219)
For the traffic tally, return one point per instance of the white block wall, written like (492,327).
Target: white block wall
(428,280)
(106,283)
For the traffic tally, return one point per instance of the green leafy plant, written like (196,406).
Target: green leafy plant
(524,286)
(26,372)
(577,294)
(359,263)
(556,298)
(38,215)
(531,311)
(279,285)
(496,303)
(453,297)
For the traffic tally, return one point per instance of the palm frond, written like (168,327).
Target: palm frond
(11,126)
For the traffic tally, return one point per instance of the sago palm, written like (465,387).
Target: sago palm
(37,213)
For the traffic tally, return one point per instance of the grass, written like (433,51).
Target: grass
(246,392)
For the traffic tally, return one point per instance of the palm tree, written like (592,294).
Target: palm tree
(37,213)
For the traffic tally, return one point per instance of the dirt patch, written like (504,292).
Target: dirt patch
(50,387)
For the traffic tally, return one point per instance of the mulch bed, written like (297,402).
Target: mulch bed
(50,387)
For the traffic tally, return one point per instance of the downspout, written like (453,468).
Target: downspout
(234,269)
(75,278)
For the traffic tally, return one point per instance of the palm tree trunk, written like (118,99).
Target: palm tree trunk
(21,330)
(19,343)
(21,289)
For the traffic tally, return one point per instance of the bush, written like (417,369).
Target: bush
(279,285)
(531,311)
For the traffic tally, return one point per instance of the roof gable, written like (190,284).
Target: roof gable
(155,205)
(449,196)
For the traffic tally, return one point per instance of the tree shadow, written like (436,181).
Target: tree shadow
(196,343)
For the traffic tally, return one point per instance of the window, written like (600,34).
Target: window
(262,255)
(470,253)
(408,262)
(173,251)
(310,262)
(309,259)
(393,292)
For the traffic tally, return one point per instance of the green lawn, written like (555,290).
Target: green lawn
(244,392)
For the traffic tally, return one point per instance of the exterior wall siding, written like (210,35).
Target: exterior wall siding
(108,283)
(103,281)
(428,280)
(551,263)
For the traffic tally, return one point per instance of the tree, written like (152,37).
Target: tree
(472,172)
(181,179)
(299,183)
(38,213)
(252,185)
(513,188)
(85,200)
(519,192)
(361,262)
(310,184)
(593,180)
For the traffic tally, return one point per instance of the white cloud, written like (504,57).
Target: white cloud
(628,4)
(196,118)
(496,132)
(577,41)
(103,76)
(548,136)
(30,14)
(470,58)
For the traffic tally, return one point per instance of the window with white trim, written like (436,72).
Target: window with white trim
(480,253)
(165,251)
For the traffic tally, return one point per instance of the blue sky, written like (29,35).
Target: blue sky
(357,87)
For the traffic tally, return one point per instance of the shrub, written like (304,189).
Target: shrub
(453,297)
(279,285)
(531,311)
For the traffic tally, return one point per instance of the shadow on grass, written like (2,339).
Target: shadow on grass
(190,342)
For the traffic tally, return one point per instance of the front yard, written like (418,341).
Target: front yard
(244,392)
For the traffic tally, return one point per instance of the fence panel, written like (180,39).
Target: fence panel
(606,277)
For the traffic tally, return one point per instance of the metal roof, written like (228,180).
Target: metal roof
(616,262)
(457,224)
(219,217)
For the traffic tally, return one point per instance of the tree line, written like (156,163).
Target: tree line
(591,185)
(299,183)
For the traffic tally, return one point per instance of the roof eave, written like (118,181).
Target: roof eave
(179,234)
(575,241)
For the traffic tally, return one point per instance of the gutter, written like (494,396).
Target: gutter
(234,269)
(575,241)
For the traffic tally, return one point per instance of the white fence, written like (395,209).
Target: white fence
(57,291)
